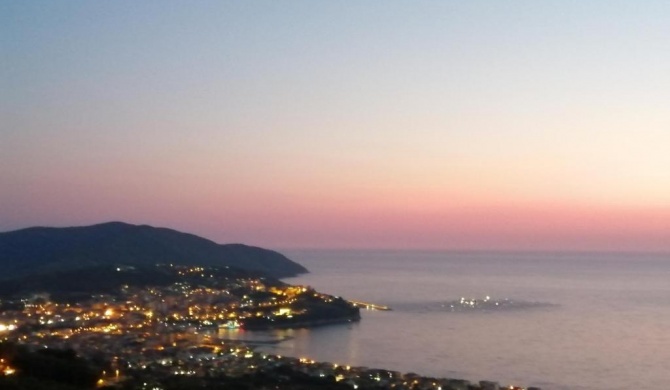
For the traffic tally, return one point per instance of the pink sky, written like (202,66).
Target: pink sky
(441,125)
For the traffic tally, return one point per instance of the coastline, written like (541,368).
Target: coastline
(361,377)
(304,324)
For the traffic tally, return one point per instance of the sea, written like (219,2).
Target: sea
(587,320)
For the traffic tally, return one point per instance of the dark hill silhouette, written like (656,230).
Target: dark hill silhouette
(43,249)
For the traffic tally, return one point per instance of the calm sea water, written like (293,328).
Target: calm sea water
(609,328)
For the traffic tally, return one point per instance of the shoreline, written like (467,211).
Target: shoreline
(304,324)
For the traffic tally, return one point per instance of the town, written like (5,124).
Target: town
(164,323)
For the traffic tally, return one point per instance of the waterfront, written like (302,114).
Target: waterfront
(173,327)
(605,329)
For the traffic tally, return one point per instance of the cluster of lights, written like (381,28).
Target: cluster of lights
(106,315)
(7,328)
(182,372)
(5,369)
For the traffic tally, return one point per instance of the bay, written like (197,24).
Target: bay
(601,323)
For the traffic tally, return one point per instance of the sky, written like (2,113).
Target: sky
(467,125)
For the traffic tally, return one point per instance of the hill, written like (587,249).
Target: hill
(44,249)
(70,285)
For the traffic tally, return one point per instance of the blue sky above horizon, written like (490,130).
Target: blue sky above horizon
(429,124)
